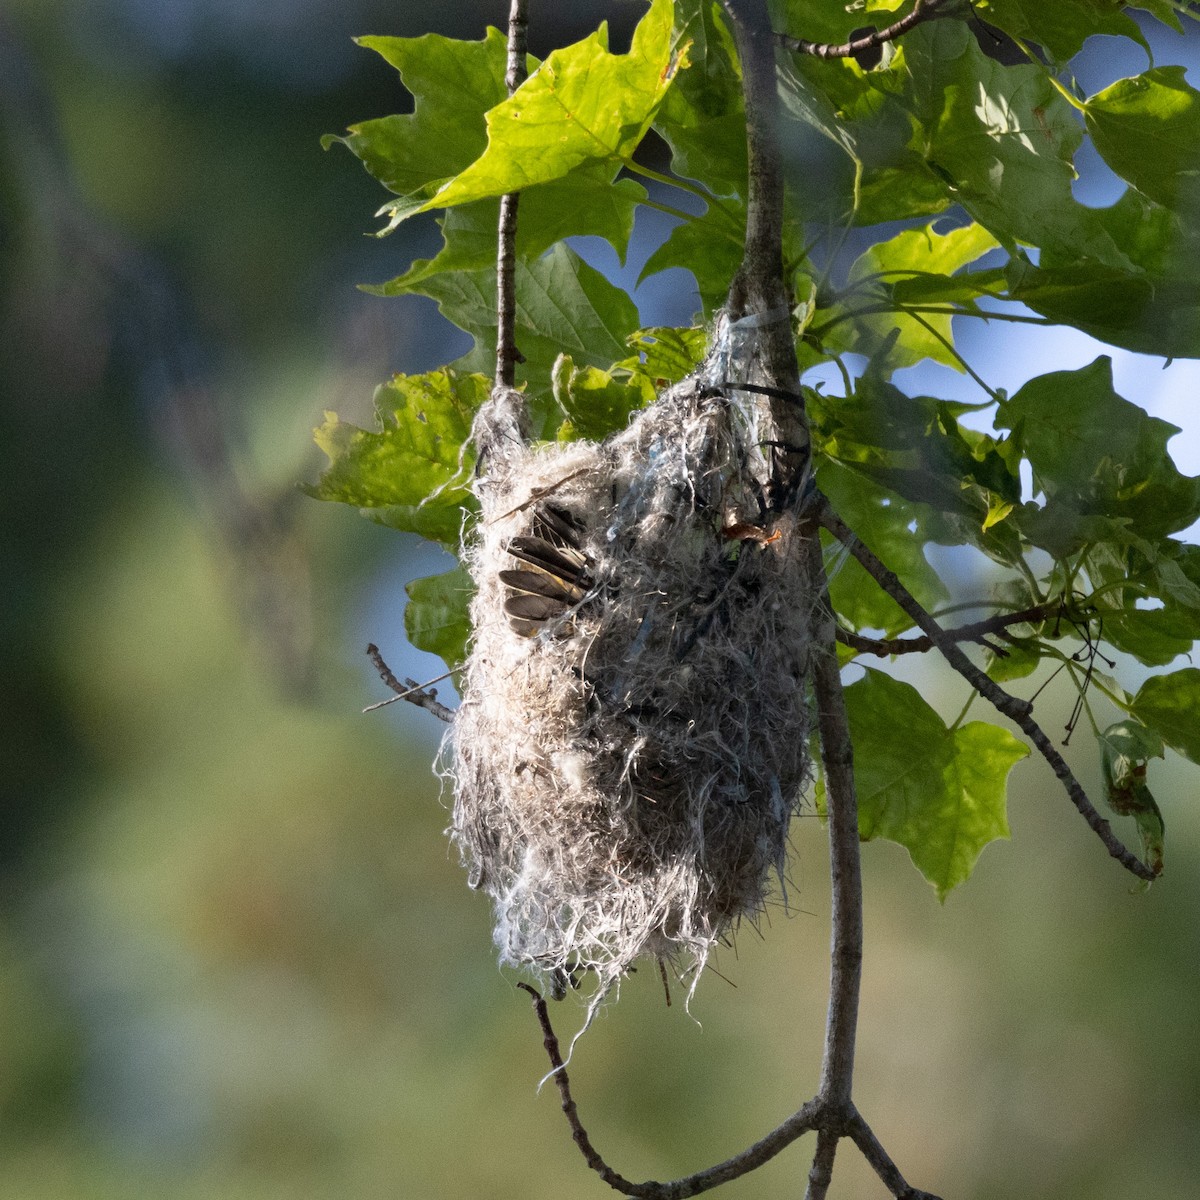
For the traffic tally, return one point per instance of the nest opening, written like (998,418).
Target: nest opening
(632,739)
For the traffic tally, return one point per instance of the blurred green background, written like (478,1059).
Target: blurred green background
(238,958)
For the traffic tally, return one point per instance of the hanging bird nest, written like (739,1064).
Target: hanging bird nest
(632,739)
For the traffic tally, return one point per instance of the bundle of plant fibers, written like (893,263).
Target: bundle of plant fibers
(631,743)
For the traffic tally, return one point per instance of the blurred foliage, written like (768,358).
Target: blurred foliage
(236,959)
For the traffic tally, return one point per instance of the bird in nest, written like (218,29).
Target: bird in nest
(553,572)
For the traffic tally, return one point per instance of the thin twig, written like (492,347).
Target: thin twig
(409,690)
(563,1083)
(878,1157)
(923,10)
(799,1123)
(507,354)
(975,632)
(1020,712)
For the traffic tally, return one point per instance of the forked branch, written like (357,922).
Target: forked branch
(1020,712)
(923,10)
(422,695)
(977,631)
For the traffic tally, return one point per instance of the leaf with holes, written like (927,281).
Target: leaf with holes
(409,473)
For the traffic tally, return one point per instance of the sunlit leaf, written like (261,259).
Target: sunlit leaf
(581,105)
(583,203)
(595,402)
(1147,128)
(668,354)
(408,473)
(1061,26)
(414,154)
(907,338)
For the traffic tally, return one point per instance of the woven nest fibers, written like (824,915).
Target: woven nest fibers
(631,744)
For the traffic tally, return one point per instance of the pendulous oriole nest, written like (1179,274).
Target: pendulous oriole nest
(632,740)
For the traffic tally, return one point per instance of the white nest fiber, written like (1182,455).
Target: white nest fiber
(625,771)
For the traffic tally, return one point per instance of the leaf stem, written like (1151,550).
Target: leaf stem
(933,332)
(684,185)
(718,227)
(972,695)
(870,310)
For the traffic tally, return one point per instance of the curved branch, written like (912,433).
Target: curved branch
(570,1110)
(923,10)
(415,693)
(798,1124)
(1020,712)
(975,632)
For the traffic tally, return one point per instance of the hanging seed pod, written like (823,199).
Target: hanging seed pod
(631,744)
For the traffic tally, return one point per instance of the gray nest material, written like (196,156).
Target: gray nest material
(631,744)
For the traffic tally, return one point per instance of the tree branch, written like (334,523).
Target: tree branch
(1020,712)
(975,632)
(845,867)
(846,923)
(923,10)
(507,354)
(563,1083)
(820,1174)
(411,691)
(750,1159)
(878,1157)
(758,289)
